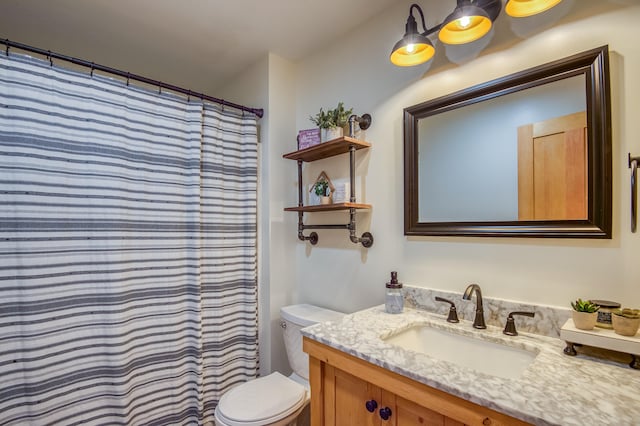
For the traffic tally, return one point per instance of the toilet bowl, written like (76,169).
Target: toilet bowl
(276,400)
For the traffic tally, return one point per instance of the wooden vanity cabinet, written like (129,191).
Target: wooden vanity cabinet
(349,400)
(347,391)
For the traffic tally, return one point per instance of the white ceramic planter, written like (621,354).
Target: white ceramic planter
(625,326)
(331,133)
(584,320)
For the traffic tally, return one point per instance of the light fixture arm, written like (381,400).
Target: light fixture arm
(412,25)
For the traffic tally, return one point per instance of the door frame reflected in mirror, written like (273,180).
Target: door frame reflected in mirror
(594,66)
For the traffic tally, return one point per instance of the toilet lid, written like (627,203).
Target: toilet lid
(262,400)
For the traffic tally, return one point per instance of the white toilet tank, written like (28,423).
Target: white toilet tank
(295,318)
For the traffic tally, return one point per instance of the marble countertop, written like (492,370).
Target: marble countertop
(555,389)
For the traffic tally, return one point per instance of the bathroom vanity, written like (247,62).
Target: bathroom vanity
(373,368)
(355,392)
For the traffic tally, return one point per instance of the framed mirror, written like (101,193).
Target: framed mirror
(526,155)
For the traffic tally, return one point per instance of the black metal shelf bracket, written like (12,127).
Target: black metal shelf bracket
(366,239)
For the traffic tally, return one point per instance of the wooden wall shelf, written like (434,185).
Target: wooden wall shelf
(327,149)
(600,338)
(341,145)
(329,207)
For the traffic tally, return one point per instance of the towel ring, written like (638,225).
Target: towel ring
(633,165)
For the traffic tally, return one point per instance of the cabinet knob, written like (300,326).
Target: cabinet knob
(486,421)
(385,413)
(371,405)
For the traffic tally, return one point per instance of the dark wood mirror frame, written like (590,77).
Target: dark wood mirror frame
(594,65)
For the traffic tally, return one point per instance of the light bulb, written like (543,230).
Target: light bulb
(411,47)
(463,22)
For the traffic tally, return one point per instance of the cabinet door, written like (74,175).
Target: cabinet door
(346,398)
(411,414)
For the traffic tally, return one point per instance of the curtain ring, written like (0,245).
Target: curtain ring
(159,90)
(92,65)
(6,50)
(49,58)
(188,96)
(128,74)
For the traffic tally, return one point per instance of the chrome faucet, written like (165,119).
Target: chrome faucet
(478,322)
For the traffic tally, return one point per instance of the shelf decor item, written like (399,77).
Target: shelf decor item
(332,122)
(626,321)
(342,193)
(605,312)
(600,338)
(585,314)
(323,188)
(308,138)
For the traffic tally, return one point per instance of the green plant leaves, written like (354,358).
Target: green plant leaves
(584,306)
(337,117)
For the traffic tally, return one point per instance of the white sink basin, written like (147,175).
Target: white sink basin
(483,356)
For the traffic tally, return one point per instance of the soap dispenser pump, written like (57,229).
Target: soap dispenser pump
(394,301)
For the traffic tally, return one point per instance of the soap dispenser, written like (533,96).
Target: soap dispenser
(394,301)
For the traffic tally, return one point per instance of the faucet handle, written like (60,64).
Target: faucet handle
(453,313)
(510,326)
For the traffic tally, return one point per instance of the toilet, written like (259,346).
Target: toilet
(275,399)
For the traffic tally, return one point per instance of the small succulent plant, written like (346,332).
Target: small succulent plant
(584,306)
(321,188)
(627,313)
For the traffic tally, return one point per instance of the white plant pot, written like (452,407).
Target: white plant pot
(325,200)
(625,326)
(331,133)
(584,320)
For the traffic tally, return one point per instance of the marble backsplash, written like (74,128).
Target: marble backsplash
(547,321)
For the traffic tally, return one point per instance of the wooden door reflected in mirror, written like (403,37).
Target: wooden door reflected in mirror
(553,169)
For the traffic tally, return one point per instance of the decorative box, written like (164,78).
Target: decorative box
(342,193)
(308,138)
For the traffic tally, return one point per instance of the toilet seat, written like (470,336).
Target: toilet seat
(261,401)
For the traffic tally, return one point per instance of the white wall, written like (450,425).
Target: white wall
(267,85)
(283,234)
(344,276)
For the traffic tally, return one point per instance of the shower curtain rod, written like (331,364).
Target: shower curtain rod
(52,55)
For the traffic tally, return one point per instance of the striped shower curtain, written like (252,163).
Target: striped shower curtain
(229,209)
(127,251)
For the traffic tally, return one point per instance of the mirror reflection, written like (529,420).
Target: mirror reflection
(521,156)
(524,155)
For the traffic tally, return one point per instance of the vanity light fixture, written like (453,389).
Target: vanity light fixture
(523,8)
(467,23)
(470,21)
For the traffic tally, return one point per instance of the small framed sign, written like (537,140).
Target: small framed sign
(308,138)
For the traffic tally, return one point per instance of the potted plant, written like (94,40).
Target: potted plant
(626,321)
(585,314)
(332,122)
(321,189)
